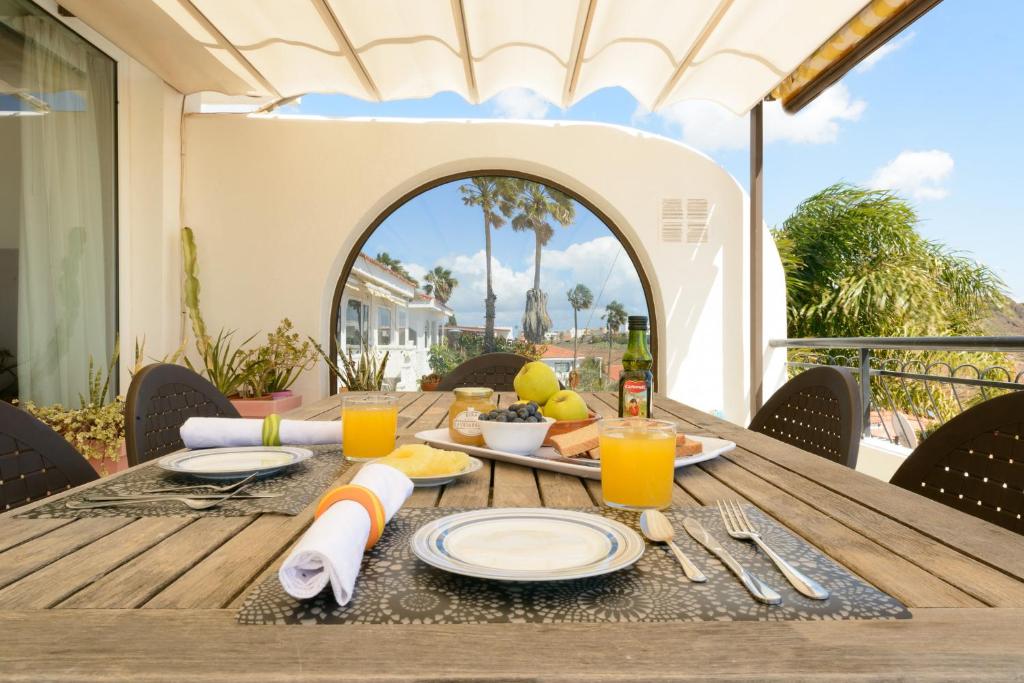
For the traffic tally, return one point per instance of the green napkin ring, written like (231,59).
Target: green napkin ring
(272,430)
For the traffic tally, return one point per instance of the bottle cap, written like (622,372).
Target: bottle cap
(638,322)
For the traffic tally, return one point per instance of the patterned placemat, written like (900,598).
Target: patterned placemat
(301,484)
(395,587)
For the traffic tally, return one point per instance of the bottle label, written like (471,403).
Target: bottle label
(467,422)
(634,398)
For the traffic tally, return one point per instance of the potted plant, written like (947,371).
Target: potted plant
(365,373)
(430,382)
(268,372)
(96,428)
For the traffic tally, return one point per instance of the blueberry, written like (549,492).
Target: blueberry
(501,418)
(532,418)
(483,417)
(519,419)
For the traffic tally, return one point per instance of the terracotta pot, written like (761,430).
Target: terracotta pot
(281,394)
(564,426)
(429,386)
(265,405)
(107,467)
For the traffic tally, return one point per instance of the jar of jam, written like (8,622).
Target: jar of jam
(463,416)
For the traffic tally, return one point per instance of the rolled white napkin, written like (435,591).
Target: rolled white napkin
(224,432)
(331,550)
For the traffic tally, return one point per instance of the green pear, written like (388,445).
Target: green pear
(535,382)
(566,405)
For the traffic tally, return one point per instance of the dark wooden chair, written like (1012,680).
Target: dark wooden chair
(974,463)
(161,397)
(35,461)
(494,370)
(818,411)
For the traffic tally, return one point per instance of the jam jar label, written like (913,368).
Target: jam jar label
(467,422)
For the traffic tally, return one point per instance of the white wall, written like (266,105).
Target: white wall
(278,203)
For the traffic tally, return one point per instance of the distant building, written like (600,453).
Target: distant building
(503,332)
(387,312)
(560,360)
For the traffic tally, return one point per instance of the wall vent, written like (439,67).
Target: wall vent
(698,215)
(671,220)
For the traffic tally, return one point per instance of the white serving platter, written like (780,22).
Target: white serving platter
(527,544)
(546,458)
(233,463)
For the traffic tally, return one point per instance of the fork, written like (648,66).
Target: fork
(738,525)
(194,503)
(214,488)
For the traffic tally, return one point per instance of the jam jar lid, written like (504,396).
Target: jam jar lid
(474,392)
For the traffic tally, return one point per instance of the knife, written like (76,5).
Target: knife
(761,591)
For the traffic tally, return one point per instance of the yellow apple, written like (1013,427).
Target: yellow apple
(566,405)
(535,382)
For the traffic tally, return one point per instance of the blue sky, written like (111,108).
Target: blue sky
(933,115)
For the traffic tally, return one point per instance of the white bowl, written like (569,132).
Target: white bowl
(520,438)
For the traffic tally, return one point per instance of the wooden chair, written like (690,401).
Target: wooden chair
(494,370)
(974,463)
(818,411)
(161,397)
(35,461)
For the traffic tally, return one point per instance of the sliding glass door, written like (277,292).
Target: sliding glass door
(57,207)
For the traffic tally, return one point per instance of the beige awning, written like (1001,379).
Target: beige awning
(733,52)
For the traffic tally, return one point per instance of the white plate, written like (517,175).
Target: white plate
(547,458)
(527,544)
(425,482)
(233,463)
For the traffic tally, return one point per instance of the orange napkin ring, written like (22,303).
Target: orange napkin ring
(365,497)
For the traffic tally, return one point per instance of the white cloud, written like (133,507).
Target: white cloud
(881,53)
(591,263)
(709,127)
(921,175)
(519,103)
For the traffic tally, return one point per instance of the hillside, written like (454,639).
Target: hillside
(1009,321)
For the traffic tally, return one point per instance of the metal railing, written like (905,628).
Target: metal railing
(918,383)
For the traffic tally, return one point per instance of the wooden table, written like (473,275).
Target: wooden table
(154,598)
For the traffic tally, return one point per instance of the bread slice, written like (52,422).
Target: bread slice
(685,447)
(577,441)
(584,442)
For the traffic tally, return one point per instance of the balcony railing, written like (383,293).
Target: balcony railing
(915,384)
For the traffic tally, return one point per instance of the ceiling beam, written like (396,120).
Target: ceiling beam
(579,49)
(705,33)
(459,15)
(229,46)
(334,25)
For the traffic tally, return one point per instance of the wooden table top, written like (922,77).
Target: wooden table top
(155,598)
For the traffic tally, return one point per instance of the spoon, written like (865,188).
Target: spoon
(656,527)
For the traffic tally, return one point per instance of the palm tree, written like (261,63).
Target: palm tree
(580,298)
(536,206)
(395,266)
(494,196)
(614,317)
(440,283)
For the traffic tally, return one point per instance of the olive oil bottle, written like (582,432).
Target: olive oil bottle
(636,383)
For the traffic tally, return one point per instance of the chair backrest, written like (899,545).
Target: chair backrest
(161,397)
(818,411)
(494,370)
(35,461)
(974,463)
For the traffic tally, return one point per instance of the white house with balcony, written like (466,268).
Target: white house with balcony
(386,312)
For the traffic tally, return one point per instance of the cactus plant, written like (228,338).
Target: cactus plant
(190,266)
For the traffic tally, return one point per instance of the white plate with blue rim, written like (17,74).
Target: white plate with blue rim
(233,463)
(527,544)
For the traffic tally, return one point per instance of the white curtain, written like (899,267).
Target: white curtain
(65,261)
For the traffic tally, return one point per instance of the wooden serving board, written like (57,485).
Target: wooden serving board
(546,458)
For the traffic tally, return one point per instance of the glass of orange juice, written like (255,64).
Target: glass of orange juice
(637,463)
(368,426)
